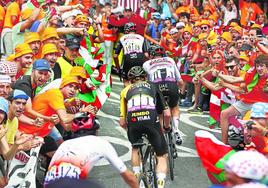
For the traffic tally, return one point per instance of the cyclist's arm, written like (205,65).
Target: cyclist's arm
(116,53)
(116,162)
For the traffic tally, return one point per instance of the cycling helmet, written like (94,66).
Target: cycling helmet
(156,50)
(83,121)
(259,110)
(136,71)
(248,164)
(235,137)
(130,27)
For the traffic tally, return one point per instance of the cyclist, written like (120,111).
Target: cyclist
(134,49)
(138,111)
(163,72)
(75,158)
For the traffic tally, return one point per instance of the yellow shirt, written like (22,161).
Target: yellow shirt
(64,66)
(12,10)
(12,128)
(123,104)
(2,13)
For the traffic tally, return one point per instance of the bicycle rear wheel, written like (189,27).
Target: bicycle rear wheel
(170,154)
(152,170)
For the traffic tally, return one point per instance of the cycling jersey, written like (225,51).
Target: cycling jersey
(162,70)
(134,47)
(75,158)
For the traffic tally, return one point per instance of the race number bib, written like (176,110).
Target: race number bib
(63,170)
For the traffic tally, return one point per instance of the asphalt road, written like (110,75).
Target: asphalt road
(189,172)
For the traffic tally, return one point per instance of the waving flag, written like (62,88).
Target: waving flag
(213,155)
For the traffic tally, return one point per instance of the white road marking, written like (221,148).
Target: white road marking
(117,83)
(115,95)
(113,100)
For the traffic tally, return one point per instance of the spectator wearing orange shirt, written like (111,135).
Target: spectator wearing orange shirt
(248,11)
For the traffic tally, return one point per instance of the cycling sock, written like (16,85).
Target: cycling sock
(136,169)
(176,122)
(161,179)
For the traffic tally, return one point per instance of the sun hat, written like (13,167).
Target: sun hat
(22,49)
(78,71)
(8,67)
(49,48)
(68,80)
(227,36)
(81,18)
(31,37)
(49,32)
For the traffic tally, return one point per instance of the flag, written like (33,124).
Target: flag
(213,155)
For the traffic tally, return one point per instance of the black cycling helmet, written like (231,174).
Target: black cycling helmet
(136,71)
(130,27)
(156,50)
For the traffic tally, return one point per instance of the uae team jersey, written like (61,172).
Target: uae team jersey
(162,70)
(75,158)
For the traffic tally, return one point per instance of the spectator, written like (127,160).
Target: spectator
(155,27)
(5,85)
(34,41)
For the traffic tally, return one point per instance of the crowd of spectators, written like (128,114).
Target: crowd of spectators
(50,48)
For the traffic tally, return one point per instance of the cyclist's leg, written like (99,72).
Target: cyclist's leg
(158,142)
(134,135)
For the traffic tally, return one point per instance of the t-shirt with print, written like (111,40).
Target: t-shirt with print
(46,103)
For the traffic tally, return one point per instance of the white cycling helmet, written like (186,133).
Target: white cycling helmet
(248,164)
(251,185)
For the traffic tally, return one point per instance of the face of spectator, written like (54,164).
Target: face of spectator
(51,58)
(232,68)
(261,69)
(239,43)
(183,19)
(52,40)
(261,18)
(204,28)
(187,36)
(175,36)
(5,89)
(235,35)
(203,43)
(252,35)
(206,14)
(114,3)
(167,24)
(196,30)
(69,91)
(61,45)
(17,106)
(233,52)
(71,54)
(25,60)
(127,14)
(216,59)
(35,46)
(223,43)
(229,5)
(54,20)
(245,39)
(84,25)
(40,77)
(108,9)
(145,4)
(69,21)
(242,62)
(184,2)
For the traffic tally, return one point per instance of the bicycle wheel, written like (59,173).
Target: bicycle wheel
(143,181)
(171,155)
(152,169)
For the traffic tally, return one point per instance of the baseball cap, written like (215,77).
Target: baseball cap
(18,94)
(49,32)
(259,110)
(3,105)
(41,64)
(78,71)
(68,80)
(31,37)
(180,25)
(22,49)
(73,42)
(173,30)
(81,18)
(49,48)
(156,15)
(5,79)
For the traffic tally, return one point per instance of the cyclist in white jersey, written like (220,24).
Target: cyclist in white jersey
(76,157)
(164,73)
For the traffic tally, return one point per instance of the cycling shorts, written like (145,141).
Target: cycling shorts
(170,90)
(128,63)
(155,136)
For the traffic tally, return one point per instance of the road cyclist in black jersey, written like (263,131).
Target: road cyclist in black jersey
(163,72)
(138,113)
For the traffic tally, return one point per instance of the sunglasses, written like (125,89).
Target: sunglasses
(204,28)
(230,67)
